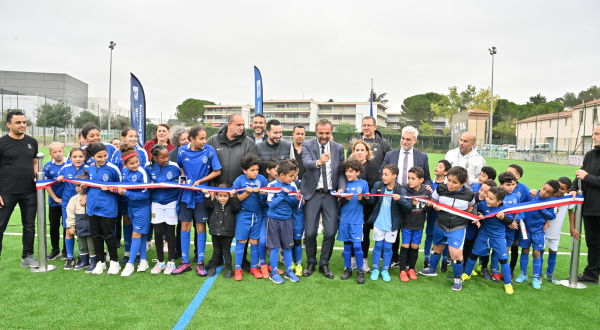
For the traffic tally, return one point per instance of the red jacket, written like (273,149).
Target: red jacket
(148,147)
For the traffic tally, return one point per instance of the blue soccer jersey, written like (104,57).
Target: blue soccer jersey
(490,227)
(167,174)
(69,171)
(110,150)
(524,196)
(535,220)
(511,200)
(103,203)
(352,211)
(251,203)
(142,156)
(136,197)
(196,165)
(51,170)
(281,203)
(475,188)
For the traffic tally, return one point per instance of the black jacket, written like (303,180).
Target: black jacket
(370,174)
(280,151)
(591,183)
(379,147)
(461,199)
(415,219)
(222,217)
(398,207)
(230,152)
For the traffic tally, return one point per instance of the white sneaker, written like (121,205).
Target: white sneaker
(170,267)
(128,270)
(115,268)
(366,268)
(143,266)
(165,247)
(353,264)
(157,268)
(100,267)
(148,246)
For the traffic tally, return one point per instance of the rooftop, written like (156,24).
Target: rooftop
(548,116)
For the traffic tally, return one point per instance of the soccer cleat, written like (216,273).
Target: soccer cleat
(478,268)
(114,268)
(486,274)
(497,278)
(100,267)
(385,275)
(353,264)
(143,266)
(78,260)
(347,274)
(128,270)
(160,266)
(444,267)
(293,267)
(270,270)
(552,279)
(403,276)
(64,256)
(298,270)
(69,264)
(292,277)
(238,274)
(92,266)
(457,286)
(276,278)
(394,264)
(521,278)
(125,258)
(228,273)
(256,273)
(374,274)
(170,267)
(428,272)
(465,277)
(265,271)
(412,275)
(508,289)
(366,268)
(211,272)
(473,273)
(29,261)
(182,268)
(53,255)
(535,283)
(200,269)
(425,264)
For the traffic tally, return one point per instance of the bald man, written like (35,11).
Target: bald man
(466,156)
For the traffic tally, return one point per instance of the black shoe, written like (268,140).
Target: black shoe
(78,261)
(53,255)
(444,267)
(310,269)
(196,259)
(119,244)
(512,272)
(326,272)
(70,264)
(228,273)
(246,266)
(425,264)
(486,274)
(211,272)
(347,274)
(360,277)
(586,279)
(394,264)
(64,256)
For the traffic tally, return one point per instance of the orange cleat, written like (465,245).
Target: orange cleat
(238,275)
(412,275)
(496,277)
(271,269)
(265,271)
(403,276)
(256,273)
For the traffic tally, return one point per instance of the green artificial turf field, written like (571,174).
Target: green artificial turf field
(73,299)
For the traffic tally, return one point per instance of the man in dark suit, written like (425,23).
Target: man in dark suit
(406,157)
(322,159)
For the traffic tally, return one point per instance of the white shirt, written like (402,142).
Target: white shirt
(401,163)
(327,168)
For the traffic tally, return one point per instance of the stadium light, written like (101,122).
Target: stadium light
(492,52)
(112,47)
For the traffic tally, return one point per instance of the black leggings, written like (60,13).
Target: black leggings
(160,229)
(221,248)
(103,230)
(54,216)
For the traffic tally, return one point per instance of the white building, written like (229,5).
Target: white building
(99,106)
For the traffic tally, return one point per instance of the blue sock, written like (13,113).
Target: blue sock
(274,259)
(387,255)
(434,260)
(287,257)
(347,254)
(298,254)
(70,242)
(376,254)
(524,263)
(127,231)
(201,246)
(551,263)
(457,268)
(185,246)
(445,254)
(427,247)
(262,250)
(135,248)
(506,272)
(239,254)
(470,265)
(253,255)
(359,255)
(537,267)
(494,262)
(143,249)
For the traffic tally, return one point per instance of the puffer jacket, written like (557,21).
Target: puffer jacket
(230,152)
(222,218)
(77,217)
(280,151)
(398,207)
(462,200)
(472,162)
(379,147)
(591,183)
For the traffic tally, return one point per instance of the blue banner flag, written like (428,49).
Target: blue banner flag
(138,110)
(258,92)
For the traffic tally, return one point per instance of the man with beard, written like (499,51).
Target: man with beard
(273,146)
(258,124)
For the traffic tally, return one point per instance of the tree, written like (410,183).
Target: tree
(57,115)
(378,98)
(482,100)
(506,129)
(592,93)
(345,128)
(41,113)
(192,110)
(537,99)
(454,102)
(417,108)
(86,117)
(331,100)
(426,129)
(570,100)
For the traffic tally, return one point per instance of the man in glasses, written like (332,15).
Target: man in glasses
(370,134)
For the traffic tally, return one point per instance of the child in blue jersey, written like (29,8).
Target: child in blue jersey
(71,171)
(79,222)
(508,182)
(55,191)
(102,207)
(536,223)
(386,217)
(198,161)
(91,134)
(138,202)
(279,222)
(553,232)
(487,173)
(440,171)
(484,261)
(271,166)
(250,218)
(351,220)
(491,235)
(298,227)
(164,205)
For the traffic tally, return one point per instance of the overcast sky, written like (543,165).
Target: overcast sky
(319,49)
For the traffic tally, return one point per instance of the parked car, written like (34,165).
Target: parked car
(490,147)
(509,147)
(62,134)
(536,147)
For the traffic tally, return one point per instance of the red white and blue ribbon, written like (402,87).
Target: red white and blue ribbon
(43,184)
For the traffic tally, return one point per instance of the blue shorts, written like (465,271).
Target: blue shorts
(454,239)
(349,233)
(198,213)
(279,234)
(509,236)
(123,206)
(483,244)
(412,236)
(248,225)
(140,219)
(471,233)
(298,225)
(536,241)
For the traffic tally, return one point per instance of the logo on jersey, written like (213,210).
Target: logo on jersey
(519,193)
(205,159)
(210,153)
(134,178)
(29,145)
(374,149)
(154,176)
(105,177)
(359,190)
(257,183)
(186,159)
(514,201)
(169,175)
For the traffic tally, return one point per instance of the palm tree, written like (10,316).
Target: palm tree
(379,98)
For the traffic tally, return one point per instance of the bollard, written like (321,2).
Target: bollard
(41,223)
(571,282)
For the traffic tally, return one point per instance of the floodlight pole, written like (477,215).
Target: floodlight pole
(111,46)
(492,52)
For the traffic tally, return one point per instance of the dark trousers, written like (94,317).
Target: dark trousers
(28,204)
(54,217)
(103,230)
(324,205)
(396,247)
(221,248)
(160,229)
(591,226)
(119,227)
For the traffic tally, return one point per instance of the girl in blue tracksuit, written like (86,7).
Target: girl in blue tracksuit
(102,207)
(138,202)
(129,135)
(91,133)
(164,205)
